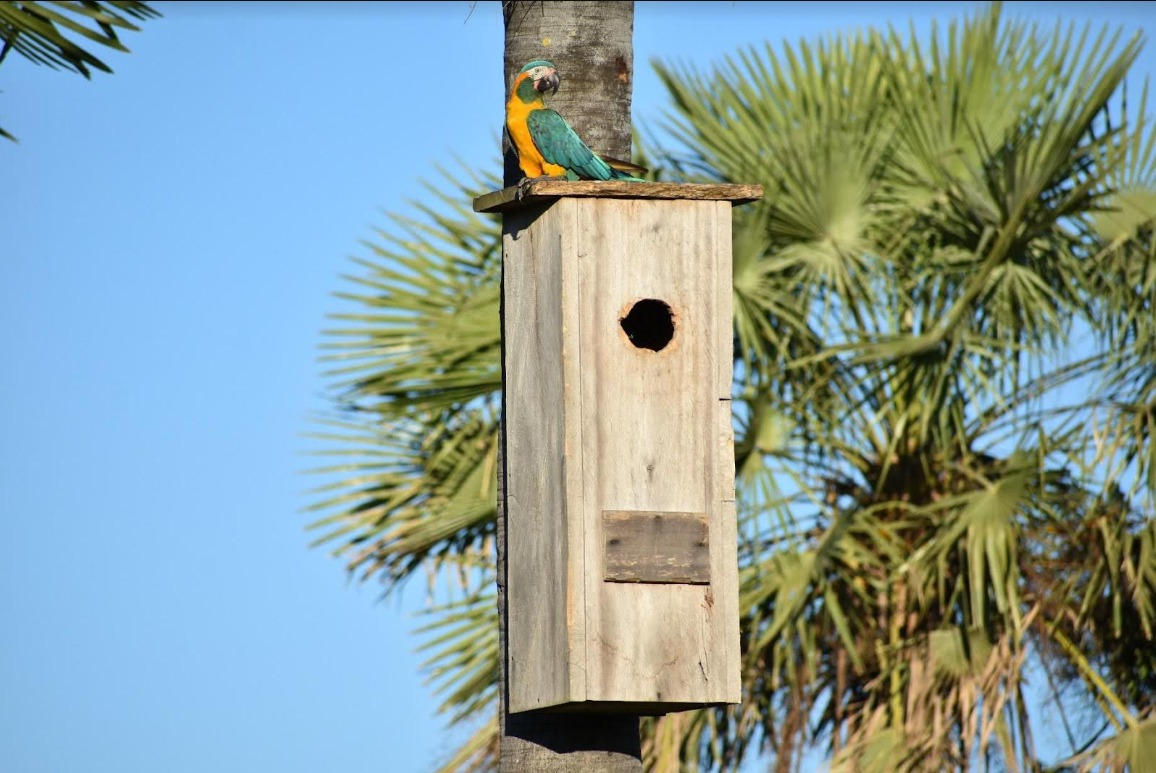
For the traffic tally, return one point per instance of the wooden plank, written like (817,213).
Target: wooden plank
(650,442)
(655,547)
(538,544)
(725,557)
(566,212)
(640,708)
(546,190)
(656,643)
(726,599)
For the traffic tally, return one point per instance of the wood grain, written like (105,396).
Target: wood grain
(541,541)
(655,547)
(596,424)
(724,562)
(650,441)
(546,190)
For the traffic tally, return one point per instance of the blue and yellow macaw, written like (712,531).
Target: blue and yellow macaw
(546,145)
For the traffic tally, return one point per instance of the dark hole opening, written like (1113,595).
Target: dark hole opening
(649,325)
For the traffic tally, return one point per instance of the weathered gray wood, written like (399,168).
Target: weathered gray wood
(725,562)
(546,190)
(656,547)
(651,441)
(597,423)
(544,667)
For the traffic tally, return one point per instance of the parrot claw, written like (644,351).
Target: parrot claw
(524,187)
(525,183)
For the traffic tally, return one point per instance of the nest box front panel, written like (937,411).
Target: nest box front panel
(654,353)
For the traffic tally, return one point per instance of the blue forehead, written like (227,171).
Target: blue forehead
(538,63)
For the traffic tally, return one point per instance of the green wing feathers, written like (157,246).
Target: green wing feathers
(560,144)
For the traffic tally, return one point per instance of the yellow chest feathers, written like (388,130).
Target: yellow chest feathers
(529,158)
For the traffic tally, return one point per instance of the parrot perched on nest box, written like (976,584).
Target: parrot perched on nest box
(546,145)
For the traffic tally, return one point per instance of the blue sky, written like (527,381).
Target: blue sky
(174,235)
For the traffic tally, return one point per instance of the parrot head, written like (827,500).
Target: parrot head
(544,75)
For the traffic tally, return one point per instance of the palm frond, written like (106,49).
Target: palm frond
(40,32)
(417,373)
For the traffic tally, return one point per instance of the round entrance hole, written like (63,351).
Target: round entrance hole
(649,324)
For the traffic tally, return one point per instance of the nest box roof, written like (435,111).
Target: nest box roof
(545,190)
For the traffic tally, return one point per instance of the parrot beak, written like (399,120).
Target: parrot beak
(549,81)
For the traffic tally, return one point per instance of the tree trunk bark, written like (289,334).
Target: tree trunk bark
(591,45)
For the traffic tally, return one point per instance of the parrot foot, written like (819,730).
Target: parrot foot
(524,184)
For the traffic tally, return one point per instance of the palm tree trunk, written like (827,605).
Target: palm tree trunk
(591,43)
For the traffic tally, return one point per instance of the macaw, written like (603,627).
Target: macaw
(546,145)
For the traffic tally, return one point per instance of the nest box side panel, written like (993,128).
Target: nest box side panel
(543,548)
(655,312)
(725,560)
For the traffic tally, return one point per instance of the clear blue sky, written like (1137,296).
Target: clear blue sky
(171,238)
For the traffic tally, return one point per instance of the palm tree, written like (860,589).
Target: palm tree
(39,31)
(945,393)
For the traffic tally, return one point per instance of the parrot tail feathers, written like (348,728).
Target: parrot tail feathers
(624,170)
(616,175)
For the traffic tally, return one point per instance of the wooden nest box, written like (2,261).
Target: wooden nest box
(621,545)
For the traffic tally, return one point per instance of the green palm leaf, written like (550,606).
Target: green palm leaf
(39,31)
